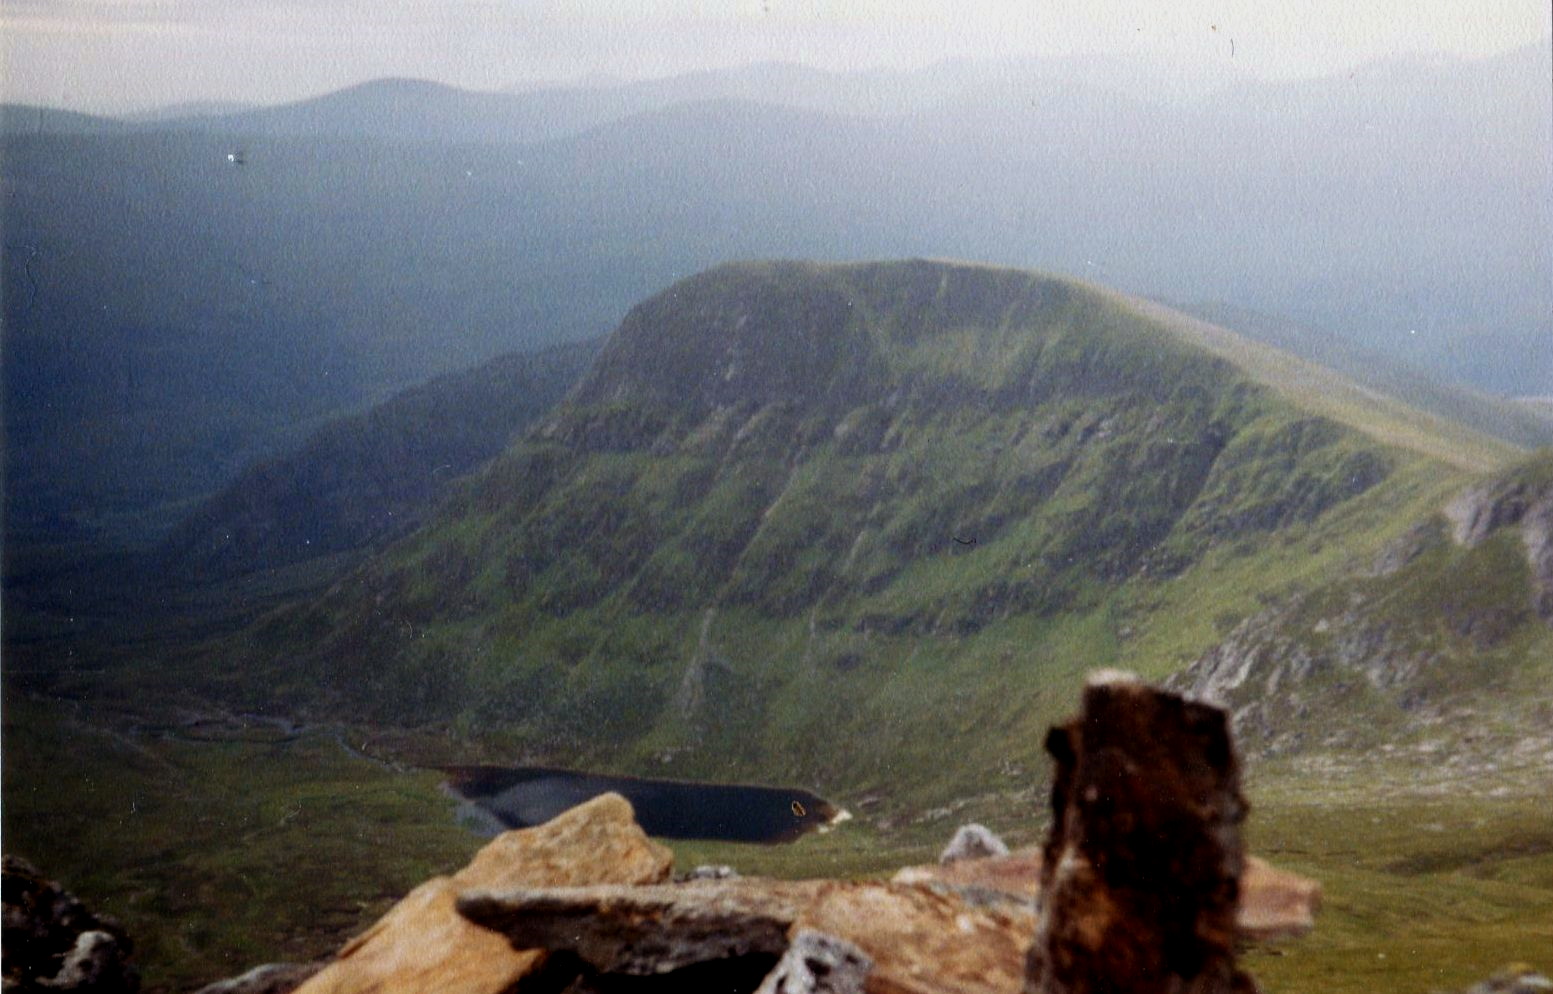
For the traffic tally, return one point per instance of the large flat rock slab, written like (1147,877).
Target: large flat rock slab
(643,931)
(920,939)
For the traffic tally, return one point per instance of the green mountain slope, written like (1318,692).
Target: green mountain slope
(369,477)
(865,525)
(184,299)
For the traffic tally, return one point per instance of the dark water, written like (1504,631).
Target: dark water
(518,797)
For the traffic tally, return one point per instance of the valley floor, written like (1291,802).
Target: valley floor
(223,842)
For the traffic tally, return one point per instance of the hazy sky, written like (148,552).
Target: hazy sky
(116,55)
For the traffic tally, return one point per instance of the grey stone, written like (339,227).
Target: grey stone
(708,871)
(94,963)
(818,963)
(52,942)
(271,978)
(972,841)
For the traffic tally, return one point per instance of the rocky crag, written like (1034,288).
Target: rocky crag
(1434,637)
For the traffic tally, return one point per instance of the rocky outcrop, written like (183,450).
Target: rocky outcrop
(1141,871)
(647,931)
(1524,500)
(423,944)
(1537,534)
(1383,646)
(52,942)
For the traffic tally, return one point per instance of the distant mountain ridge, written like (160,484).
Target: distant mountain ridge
(1520,421)
(402,108)
(182,301)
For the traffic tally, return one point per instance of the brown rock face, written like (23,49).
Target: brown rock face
(645,931)
(925,940)
(1141,872)
(423,944)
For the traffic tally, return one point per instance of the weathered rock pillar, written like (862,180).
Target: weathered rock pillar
(1142,867)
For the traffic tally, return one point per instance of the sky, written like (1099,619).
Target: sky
(118,56)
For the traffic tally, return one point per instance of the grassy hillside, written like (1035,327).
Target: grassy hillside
(363,479)
(864,525)
(284,526)
(864,529)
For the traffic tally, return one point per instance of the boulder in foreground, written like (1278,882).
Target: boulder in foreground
(423,944)
(1140,874)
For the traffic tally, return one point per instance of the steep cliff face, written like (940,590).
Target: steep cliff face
(1522,500)
(1448,633)
(793,502)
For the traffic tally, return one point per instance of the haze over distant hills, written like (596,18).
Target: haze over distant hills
(418,109)
(185,296)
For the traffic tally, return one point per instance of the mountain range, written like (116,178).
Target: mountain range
(185,297)
(864,528)
(855,519)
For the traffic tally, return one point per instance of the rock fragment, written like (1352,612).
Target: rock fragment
(818,963)
(1517,979)
(922,940)
(271,978)
(1275,904)
(1141,870)
(643,931)
(710,872)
